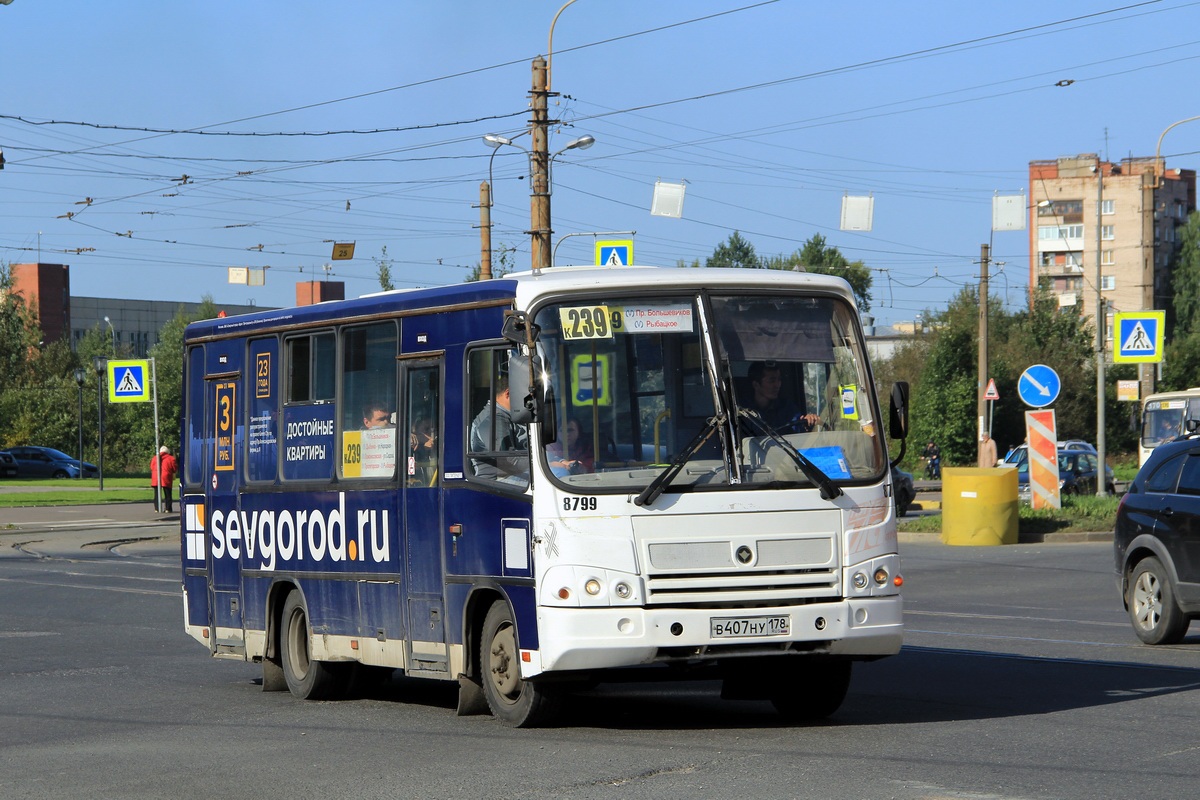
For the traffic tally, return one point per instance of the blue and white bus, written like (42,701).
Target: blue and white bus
(530,483)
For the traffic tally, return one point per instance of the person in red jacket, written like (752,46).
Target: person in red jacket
(162,476)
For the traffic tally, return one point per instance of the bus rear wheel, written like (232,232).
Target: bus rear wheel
(514,701)
(306,678)
(814,691)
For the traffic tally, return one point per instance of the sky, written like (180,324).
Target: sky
(152,146)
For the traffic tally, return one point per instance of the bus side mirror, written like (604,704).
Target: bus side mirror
(1191,425)
(519,330)
(898,418)
(524,387)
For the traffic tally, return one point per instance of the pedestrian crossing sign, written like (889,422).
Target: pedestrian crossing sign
(617,253)
(129,381)
(1138,337)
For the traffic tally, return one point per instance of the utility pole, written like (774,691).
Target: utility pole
(539,167)
(485,231)
(981,389)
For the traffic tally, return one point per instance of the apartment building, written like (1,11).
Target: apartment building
(1125,215)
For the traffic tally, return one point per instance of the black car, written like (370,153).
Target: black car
(1077,470)
(1157,543)
(46,462)
(903,490)
(8,465)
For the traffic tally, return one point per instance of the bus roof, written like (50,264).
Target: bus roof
(531,287)
(523,289)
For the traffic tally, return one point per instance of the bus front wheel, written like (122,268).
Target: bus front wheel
(814,691)
(517,702)
(306,678)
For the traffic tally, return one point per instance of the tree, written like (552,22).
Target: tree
(816,256)
(502,264)
(736,252)
(1181,356)
(168,363)
(19,331)
(383,267)
(1185,281)
(943,402)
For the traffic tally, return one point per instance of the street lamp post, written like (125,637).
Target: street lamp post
(100,365)
(486,202)
(80,377)
(1101,324)
(108,322)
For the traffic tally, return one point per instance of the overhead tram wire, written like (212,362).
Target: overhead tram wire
(866,64)
(206,129)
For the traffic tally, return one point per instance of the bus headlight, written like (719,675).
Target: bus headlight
(876,577)
(573,586)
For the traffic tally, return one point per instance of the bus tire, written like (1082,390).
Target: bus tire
(306,678)
(814,691)
(514,701)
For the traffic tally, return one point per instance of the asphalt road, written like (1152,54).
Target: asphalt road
(1020,678)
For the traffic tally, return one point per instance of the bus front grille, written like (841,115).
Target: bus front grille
(745,589)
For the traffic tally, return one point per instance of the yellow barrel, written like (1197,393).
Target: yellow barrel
(979,506)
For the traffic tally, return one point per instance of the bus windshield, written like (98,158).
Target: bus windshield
(726,390)
(1165,416)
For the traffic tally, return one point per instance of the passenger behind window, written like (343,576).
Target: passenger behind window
(376,415)
(422,441)
(572,454)
(493,431)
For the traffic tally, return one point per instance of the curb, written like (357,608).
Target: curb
(1074,537)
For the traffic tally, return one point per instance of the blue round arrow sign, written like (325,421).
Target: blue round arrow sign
(1038,386)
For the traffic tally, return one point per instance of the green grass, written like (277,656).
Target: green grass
(73,492)
(1079,514)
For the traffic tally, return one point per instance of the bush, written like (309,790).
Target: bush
(1080,513)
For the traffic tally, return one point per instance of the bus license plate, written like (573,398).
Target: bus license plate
(738,627)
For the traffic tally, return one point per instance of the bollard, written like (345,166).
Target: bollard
(979,506)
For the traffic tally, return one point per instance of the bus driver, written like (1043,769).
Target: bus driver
(492,430)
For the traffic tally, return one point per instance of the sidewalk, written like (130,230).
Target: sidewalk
(141,517)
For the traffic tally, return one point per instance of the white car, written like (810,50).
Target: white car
(1018,455)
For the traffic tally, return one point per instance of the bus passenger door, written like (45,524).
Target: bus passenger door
(420,479)
(222,397)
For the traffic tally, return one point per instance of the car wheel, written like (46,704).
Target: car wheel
(1155,615)
(59,474)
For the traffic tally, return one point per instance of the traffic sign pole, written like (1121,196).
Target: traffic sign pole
(154,383)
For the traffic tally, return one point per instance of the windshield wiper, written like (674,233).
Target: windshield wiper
(829,489)
(656,487)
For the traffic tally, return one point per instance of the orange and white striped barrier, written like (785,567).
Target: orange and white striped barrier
(1041,433)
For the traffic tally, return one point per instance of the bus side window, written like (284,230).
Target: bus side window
(497,448)
(367,404)
(310,368)
(423,418)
